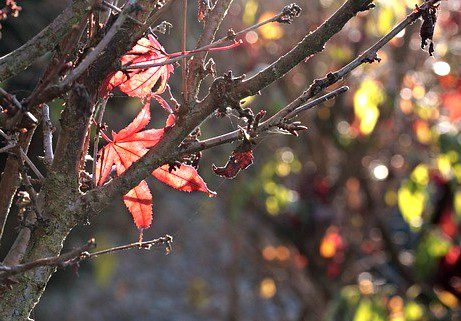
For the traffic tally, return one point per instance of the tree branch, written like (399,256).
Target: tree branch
(260,132)
(205,49)
(18,60)
(81,254)
(117,45)
(223,92)
(47,136)
(213,21)
(313,43)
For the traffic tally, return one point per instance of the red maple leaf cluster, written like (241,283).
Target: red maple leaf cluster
(134,141)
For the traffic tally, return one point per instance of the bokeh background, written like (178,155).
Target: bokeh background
(357,219)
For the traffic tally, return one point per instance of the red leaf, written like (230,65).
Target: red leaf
(139,203)
(238,161)
(141,83)
(185,178)
(129,145)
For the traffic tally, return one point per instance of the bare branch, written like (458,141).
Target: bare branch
(312,44)
(368,56)
(333,94)
(94,54)
(47,135)
(57,261)
(32,166)
(12,99)
(213,21)
(262,129)
(118,10)
(99,118)
(80,254)
(46,40)
(230,37)
(184,60)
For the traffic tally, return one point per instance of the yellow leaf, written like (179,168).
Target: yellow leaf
(420,175)
(411,205)
(366,101)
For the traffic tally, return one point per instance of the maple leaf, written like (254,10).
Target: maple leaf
(130,144)
(141,83)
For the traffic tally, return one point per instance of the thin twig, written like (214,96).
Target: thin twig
(99,118)
(369,56)
(184,48)
(81,254)
(45,40)
(28,185)
(118,10)
(94,54)
(317,101)
(11,140)
(57,261)
(47,135)
(6,148)
(32,166)
(230,37)
(164,240)
(262,129)
(18,105)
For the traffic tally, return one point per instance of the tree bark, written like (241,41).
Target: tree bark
(60,191)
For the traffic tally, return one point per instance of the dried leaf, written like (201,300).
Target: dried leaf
(240,159)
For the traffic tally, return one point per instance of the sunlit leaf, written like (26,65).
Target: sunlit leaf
(366,101)
(411,201)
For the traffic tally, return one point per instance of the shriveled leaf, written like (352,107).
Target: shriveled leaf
(427,28)
(238,161)
(185,178)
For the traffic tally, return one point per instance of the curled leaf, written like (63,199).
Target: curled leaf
(426,32)
(184,178)
(240,159)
